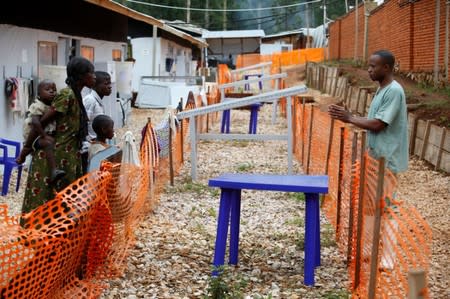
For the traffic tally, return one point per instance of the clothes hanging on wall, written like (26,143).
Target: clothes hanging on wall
(18,91)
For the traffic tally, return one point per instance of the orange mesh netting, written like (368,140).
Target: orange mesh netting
(66,247)
(404,237)
(299,56)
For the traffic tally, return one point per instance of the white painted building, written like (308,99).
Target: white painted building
(37,39)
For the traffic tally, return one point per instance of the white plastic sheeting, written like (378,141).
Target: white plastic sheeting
(158,94)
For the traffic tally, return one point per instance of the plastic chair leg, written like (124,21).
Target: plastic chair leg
(6,178)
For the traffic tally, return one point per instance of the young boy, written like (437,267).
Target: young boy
(36,137)
(103,126)
(93,101)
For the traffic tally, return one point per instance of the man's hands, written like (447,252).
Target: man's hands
(340,113)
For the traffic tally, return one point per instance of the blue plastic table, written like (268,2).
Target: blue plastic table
(230,206)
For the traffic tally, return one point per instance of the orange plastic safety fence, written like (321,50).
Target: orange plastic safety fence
(59,244)
(65,248)
(299,56)
(405,238)
(223,73)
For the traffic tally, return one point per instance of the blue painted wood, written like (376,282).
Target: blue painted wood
(229,212)
(272,182)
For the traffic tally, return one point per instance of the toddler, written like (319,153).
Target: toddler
(36,137)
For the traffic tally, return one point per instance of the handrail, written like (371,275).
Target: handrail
(252,80)
(263,97)
(251,67)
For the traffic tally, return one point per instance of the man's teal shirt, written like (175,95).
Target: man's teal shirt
(389,106)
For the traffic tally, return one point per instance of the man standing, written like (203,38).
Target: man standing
(386,122)
(387,135)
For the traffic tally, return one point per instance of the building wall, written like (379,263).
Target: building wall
(143,53)
(407,30)
(19,49)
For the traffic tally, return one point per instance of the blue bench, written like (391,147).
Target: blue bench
(254,108)
(230,206)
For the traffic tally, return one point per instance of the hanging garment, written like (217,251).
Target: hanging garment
(129,150)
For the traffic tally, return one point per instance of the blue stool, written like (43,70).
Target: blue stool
(9,163)
(226,115)
(228,219)
(247,86)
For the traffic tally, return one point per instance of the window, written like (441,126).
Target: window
(117,55)
(47,53)
(88,53)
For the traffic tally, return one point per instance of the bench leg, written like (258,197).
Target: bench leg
(250,123)
(228,121)
(225,122)
(312,237)
(234,226)
(255,119)
(222,228)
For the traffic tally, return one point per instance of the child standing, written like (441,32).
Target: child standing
(36,137)
(103,126)
(93,101)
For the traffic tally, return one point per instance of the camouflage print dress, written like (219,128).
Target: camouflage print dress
(67,156)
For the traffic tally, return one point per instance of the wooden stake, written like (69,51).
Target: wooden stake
(330,143)
(309,138)
(182,140)
(170,157)
(376,229)
(303,130)
(357,101)
(335,87)
(339,188)
(352,210)
(362,181)
(412,137)
(425,140)
(365,104)
(441,149)
(348,100)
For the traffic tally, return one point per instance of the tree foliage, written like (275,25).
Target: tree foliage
(271,21)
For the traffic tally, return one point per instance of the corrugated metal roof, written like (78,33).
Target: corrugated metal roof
(233,34)
(113,6)
(290,32)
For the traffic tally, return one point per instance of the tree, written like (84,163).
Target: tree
(271,21)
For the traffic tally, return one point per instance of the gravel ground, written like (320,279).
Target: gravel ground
(175,243)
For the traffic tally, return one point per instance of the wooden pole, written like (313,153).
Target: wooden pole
(336,81)
(417,284)
(309,138)
(441,149)
(436,43)
(348,98)
(182,140)
(355,58)
(425,140)
(170,157)
(412,137)
(376,229)
(357,100)
(339,188)
(362,181)
(352,208)
(303,130)
(330,143)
